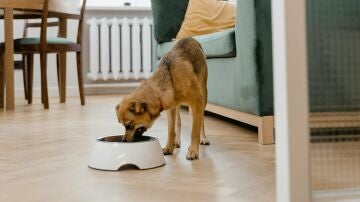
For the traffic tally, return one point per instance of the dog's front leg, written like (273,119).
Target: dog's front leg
(178,128)
(198,117)
(169,148)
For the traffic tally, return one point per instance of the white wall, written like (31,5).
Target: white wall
(72,89)
(105,3)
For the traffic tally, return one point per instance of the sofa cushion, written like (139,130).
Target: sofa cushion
(168,16)
(207,16)
(215,45)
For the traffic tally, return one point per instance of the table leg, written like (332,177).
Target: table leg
(9,59)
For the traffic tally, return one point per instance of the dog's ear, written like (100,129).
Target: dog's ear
(117,112)
(137,107)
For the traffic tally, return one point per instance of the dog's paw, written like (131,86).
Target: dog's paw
(177,143)
(192,153)
(205,142)
(168,150)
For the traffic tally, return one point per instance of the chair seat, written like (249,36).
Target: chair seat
(20,14)
(54,45)
(36,41)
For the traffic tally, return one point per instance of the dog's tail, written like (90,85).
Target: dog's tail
(188,44)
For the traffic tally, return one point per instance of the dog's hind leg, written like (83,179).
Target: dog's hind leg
(204,140)
(177,128)
(171,116)
(198,116)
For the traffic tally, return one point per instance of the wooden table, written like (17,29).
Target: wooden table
(9,57)
(36,8)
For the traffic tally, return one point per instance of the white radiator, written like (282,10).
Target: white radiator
(120,49)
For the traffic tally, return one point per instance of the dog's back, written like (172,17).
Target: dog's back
(186,49)
(192,51)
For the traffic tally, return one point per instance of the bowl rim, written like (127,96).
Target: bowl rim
(107,142)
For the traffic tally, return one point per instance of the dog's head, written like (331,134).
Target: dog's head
(137,116)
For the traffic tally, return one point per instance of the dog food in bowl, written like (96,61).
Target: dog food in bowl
(119,138)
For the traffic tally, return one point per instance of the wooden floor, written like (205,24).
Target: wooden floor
(44,154)
(335,165)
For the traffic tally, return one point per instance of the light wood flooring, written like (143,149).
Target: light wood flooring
(44,155)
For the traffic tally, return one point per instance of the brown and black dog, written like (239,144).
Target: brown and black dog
(180,79)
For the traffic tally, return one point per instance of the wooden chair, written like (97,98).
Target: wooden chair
(64,10)
(28,60)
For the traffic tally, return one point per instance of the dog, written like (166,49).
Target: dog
(180,79)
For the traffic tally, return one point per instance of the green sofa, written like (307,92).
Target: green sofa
(240,84)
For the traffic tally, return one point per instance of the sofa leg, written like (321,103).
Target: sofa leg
(266,130)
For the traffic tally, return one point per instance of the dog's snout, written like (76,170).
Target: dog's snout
(139,131)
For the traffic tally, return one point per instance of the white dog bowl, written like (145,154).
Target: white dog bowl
(110,153)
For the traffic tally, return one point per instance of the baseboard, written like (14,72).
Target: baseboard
(90,89)
(52,91)
(105,89)
(337,195)
(334,119)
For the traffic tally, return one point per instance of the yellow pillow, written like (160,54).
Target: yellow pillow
(207,16)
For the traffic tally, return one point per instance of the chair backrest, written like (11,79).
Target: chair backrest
(28,24)
(66,8)
(73,9)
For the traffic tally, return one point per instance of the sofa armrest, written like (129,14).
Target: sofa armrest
(245,26)
(254,56)
(245,79)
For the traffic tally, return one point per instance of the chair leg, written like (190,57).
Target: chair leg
(266,130)
(44,89)
(58,70)
(25,79)
(80,77)
(30,65)
(62,75)
(2,81)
